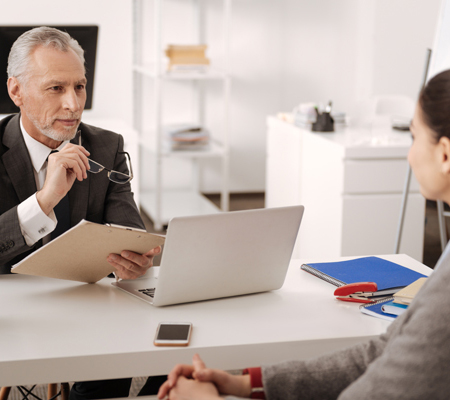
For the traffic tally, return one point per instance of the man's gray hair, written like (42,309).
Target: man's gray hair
(19,56)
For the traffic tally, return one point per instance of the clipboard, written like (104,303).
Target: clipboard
(80,253)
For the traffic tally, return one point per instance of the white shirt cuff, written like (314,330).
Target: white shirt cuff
(34,223)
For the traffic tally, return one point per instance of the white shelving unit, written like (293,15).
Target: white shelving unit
(162,202)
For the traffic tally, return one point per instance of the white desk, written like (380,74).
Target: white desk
(57,331)
(351,184)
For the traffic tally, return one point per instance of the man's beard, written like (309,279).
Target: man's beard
(47,129)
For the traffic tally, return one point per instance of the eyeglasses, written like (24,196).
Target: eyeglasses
(114,176)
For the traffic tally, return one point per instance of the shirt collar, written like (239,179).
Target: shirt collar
(38,152)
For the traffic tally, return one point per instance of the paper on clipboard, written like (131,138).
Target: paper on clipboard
(80,253)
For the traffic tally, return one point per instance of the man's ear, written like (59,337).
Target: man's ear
(444,146)
(15,91)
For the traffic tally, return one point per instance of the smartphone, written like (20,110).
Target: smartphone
(173,334)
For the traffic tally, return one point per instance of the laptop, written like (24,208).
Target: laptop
(220,255)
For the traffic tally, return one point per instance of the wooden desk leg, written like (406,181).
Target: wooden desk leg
(4,392)
(52,390)
(65,389)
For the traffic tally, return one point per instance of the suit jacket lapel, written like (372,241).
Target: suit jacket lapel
(79,194)
(18,165)
(17,161)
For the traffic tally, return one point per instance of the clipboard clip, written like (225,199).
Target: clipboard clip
(358,292)
(125,227)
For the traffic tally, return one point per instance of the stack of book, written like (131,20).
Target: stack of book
(304,115)
(187,137)
(187,58)
(403,298)
(390,278)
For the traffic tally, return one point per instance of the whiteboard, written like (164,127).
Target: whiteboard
(440,56)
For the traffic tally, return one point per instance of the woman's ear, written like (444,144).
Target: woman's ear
(444,148)
(15,90)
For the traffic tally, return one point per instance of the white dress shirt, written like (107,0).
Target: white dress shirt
(34,223)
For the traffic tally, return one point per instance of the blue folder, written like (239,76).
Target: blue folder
(389,277)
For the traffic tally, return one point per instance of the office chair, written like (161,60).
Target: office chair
(408,173)
(442,225)
(52,392)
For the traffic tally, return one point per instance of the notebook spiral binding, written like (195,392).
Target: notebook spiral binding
(321,275)
(383,300)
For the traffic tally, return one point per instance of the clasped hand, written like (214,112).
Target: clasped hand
(200,383)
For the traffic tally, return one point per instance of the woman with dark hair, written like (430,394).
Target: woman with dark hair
(412,359)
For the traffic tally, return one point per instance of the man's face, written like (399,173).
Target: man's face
(53,95)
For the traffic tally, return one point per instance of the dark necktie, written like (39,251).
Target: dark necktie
(62,213)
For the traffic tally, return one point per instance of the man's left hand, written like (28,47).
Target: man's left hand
(131,265)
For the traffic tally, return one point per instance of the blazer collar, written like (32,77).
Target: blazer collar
(20,170)
(17,160)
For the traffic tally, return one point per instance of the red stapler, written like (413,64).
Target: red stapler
(359,292)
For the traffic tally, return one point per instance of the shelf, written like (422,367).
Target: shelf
(215,150)
(211,74)
(152,112)
(176,203)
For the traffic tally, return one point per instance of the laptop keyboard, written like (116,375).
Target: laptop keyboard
(149,292)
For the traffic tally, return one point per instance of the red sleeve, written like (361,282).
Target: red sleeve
(256,382)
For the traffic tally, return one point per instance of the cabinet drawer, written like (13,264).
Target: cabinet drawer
(371,222)
(376,176)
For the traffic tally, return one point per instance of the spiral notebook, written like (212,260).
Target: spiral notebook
(389,277)
(375,309)
(394,308)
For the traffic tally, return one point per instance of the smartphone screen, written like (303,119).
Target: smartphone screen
(173,334)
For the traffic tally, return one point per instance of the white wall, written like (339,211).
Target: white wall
(348,50)
(290,51)
(320,48)
(283,52)
(404,29)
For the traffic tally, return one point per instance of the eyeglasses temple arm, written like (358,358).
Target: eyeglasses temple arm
(129,160)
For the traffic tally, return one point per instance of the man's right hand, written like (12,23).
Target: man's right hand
(63,168)
(227,384)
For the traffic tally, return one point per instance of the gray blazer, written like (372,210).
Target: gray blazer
(411,361)
(95,199)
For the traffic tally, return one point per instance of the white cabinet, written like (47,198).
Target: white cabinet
(171,179)
(351,186)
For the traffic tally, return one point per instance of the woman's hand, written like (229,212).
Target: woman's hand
(187,389)
(236,385)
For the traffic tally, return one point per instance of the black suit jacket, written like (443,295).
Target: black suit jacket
(95,199)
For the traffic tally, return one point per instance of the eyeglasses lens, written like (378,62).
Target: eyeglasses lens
(118,177)
(95,167)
